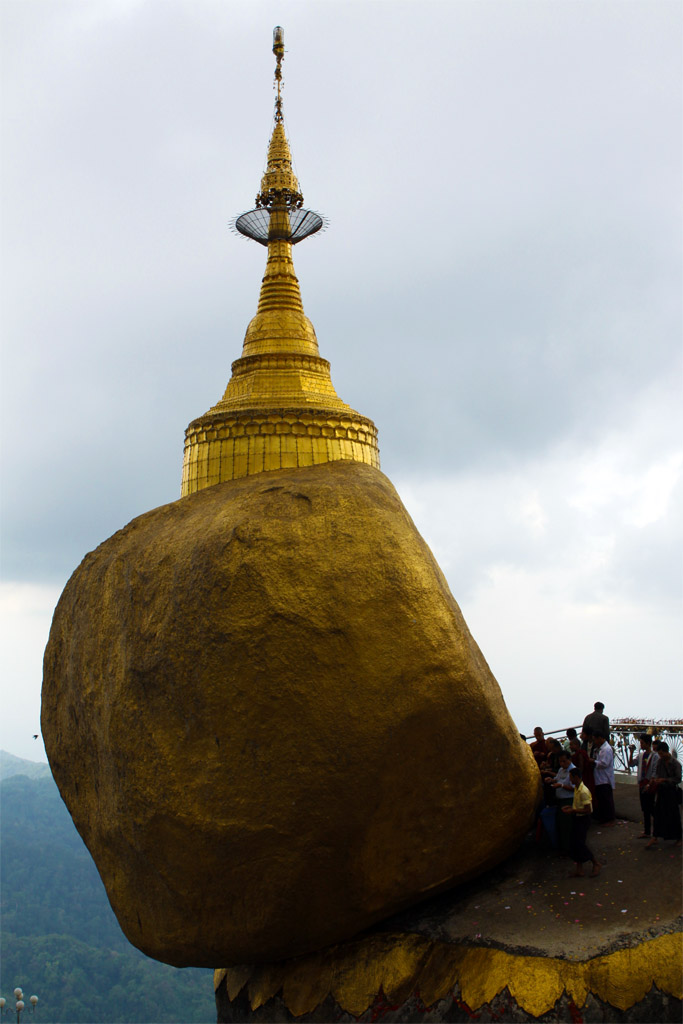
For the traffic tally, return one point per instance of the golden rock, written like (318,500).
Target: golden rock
(270,722)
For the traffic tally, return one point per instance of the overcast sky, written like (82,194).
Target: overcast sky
(499,289)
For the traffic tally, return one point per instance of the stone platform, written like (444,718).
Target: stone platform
(523,942)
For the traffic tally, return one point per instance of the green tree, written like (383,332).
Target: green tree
(60,938)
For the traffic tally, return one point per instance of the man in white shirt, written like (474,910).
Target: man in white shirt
(562,783)
(604,779)
(564,794)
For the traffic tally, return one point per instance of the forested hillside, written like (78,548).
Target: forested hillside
(11,765)
(60,939)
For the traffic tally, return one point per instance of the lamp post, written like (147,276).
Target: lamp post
(19,1006)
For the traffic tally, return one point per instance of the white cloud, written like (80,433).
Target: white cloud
(605,481)
(554,657)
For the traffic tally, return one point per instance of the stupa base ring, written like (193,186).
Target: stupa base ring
(229,446)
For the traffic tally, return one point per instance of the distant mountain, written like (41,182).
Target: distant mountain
(11,765)
(60,939)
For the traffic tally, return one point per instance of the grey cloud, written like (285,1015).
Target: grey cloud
(500,276)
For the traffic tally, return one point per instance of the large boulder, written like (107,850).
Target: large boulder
(270,722)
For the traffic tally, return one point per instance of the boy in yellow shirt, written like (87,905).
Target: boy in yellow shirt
(581,809)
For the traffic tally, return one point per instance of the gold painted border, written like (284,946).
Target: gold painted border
(402,964)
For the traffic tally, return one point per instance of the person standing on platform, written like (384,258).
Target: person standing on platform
(563,785)
(551,764)
(539,747)
(567,743)
(647,761)
(603,772)
(582,761)
(597,721)
(656,744)
(580,811)
(667,815)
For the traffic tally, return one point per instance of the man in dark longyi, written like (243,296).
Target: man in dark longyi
(647,762)
(667,815)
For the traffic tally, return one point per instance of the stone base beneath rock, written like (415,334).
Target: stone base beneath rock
(406,978)
(656,1008)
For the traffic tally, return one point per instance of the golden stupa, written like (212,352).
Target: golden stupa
(261,703)
(280,409)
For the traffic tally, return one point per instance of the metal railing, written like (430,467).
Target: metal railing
(624,733)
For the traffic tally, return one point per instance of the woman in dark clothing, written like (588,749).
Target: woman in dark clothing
(667,780)
(549,769)
(551,764)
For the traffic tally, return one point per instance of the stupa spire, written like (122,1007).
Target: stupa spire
(280,409)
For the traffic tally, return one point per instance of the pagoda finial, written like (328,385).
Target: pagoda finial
(279,51)
(279,203)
